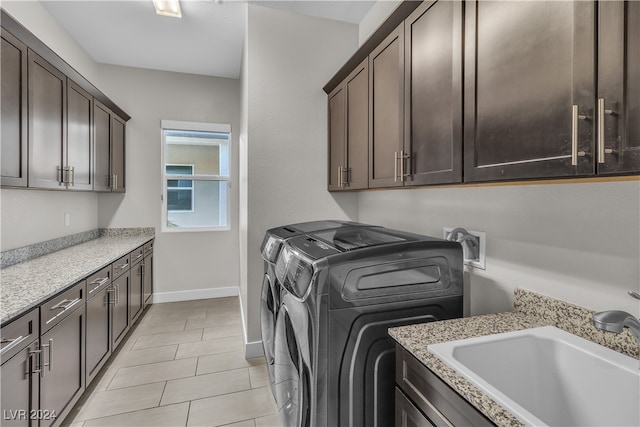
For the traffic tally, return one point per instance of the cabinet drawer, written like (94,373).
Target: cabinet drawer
(121,266)
(59,307)
(407,415)
(148,248)
(98,281)
(439,402)
(18,333)
(137,255)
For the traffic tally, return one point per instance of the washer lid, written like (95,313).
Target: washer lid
(351,238)
(273,238)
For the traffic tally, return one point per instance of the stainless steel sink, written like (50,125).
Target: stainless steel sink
(546,376)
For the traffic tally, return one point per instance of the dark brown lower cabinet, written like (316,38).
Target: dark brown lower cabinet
(136,291)
(148,273)
(98,338)
(62,380)
(120,309)
(407,415)
(424,399)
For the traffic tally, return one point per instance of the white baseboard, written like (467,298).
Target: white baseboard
(230,291)
(251,349)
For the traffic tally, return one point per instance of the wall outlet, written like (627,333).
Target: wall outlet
(67,219)
(479,262)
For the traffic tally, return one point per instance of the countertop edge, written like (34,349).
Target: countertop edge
(122,246)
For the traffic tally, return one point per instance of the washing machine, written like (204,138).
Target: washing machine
(271,290)
(334,363)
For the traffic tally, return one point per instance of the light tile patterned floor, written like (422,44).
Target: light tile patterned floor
(183,365)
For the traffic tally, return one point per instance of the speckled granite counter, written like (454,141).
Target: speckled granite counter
(531,310)
(27,284)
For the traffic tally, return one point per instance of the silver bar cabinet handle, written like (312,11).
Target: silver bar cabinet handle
(12,343)
(574,136)
(601,139)
(395,166)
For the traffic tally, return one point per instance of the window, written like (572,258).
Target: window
(179,191)
(195,176)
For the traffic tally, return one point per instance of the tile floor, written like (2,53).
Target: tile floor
(183,365)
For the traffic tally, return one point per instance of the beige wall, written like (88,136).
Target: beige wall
(203,158)
(185,261)
(289,59)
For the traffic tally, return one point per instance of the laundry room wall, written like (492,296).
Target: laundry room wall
(289,58)
(32,216)
(579,242)
(188,265)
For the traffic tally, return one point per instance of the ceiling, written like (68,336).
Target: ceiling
(207,40)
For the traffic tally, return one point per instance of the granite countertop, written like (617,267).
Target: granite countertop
(531,310)
(29,283)
(415,338)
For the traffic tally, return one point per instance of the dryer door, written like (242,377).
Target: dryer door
(268,313)
(292,373)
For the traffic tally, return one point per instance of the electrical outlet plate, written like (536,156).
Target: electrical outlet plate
(67,219)
(480,262)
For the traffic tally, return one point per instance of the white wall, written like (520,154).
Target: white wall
(576,242)
(372,20)
(289,59)
(183,261)
(35,216)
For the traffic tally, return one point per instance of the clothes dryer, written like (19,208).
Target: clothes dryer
(270,300)
(334,363)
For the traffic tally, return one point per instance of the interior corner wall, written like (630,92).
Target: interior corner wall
(184,261)
(32,216)
(244,174)
(290,57)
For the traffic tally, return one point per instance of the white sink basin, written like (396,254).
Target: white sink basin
(546,376)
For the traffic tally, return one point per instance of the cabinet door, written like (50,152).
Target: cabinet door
(120,309)
(433,93)
(357,119)
(337,138)
(148,277)
(386,105)
(118,145)
(47,124)
(102,147)
(79,138)
(13,121)
(20,388)
(136,291)
(63,366)
(529,89)
(98,339)
(618,110)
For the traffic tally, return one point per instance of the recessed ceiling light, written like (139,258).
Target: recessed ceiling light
(168,8)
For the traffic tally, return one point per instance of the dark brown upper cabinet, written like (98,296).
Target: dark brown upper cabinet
(348,132)
(433,94)
(47,130)
(337,137)
(79,148)
(14,110)
(386,112)
(529,90)
(618,104)
(109,139)
(118,145)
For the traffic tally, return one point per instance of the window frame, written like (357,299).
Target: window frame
(179,177)
(174,125)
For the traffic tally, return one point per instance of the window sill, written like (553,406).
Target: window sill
(194,229)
